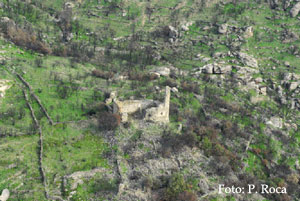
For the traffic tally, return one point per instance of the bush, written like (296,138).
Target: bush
(24,38)
(178,189)
(173,143)
(108,121)
(170,83)
(176,185)
(190,87)
(96,108)
(187,196)
(102,74)
(142,76)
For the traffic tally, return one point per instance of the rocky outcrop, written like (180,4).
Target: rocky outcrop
(161,112)
(77,178)
(295,10)
(3,87)
(223,29)
(288,36)
(213,68)
(161,71)
(5,195)
(275,122)
(171,33)
(247,60)
(248,32)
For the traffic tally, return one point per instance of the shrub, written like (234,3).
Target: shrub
(102,74)
(170,83)
(190,87)
(108,121)
(142,76)
(174,143)
(178,189)
(176,185)
(24,38)
(187,196)
(96,108)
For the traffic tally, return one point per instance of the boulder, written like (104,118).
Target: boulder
(263,90)
(248,60)
(185,27)
(275,122)
(6,23)
(274,3)
(3,87)
(171,32)
(223,29)
(111,97)
(218,69)
(248,32)
(208,69)
(72,181)
(161,71)
(293,85)
(295,10)
(5,195)
(69,5)
(215,68)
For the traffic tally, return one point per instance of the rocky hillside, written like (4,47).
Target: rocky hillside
(149,100)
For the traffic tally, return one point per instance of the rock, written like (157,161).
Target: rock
(171,32)
(295,10)
(174,90)
(258,80)
(203,186)
(5,195)
(276,122)
(288,36)
(286,4)
(161,71)
(248,32)
(218,55)
(3,87)
(205,59)
(263,90)
(293,85)
(69,5)
(274,4)
(287,64)
(77,178)
(208,69)
(118,78)
(257,99)
(218,69)
(248,60)
(4,20)
(111,97)
(215,68)
(6,24)
(223,28)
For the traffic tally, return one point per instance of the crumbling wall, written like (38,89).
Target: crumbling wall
(155,112)
(160,113)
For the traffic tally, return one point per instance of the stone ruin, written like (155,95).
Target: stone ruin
(151,110)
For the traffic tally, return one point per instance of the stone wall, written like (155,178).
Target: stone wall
(155,112)
(160,113)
